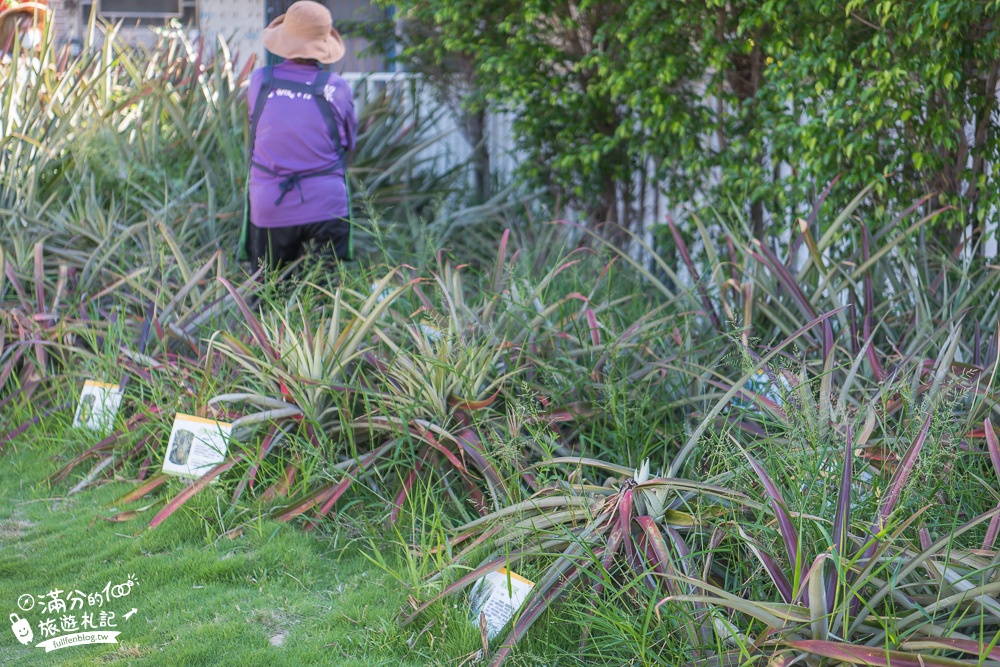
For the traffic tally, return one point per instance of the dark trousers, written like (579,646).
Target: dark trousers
(277,246)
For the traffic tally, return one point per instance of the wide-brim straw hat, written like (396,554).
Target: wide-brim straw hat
(37,9)
(305,31)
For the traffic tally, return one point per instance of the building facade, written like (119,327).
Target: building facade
(241,22)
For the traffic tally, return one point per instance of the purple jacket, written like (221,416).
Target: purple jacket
(292,137)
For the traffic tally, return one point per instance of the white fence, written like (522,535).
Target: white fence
(453,148)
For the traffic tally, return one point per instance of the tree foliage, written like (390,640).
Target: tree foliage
(902,93)
(762,102)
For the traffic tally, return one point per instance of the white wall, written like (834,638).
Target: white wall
(241,22)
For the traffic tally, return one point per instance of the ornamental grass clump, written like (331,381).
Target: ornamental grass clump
(868,592)
(820,412)
(595,538)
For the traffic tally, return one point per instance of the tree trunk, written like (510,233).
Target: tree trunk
(757,219)
(981,140)
(477,134)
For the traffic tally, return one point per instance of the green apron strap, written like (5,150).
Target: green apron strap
(243,250)
(350,218)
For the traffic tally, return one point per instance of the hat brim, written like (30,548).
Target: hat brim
(328,49)
(37,9)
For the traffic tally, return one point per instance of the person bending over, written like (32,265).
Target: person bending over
(302,126)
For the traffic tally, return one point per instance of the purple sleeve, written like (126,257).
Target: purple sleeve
(344,102)
(351,125)
(252,91)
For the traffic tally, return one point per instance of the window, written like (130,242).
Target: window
(140,8)
(354,14)
(143,10)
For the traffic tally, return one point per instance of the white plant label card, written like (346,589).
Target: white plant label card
(196,445)
(498,596)
(99,403)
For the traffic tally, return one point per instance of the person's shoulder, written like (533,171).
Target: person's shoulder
(258,74)
(342,89)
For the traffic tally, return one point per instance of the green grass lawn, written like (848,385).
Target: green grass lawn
(272,596)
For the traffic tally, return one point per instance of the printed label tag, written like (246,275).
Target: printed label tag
(99,403)
(196,445)
(498,596)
